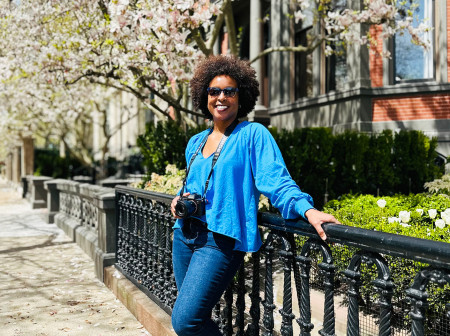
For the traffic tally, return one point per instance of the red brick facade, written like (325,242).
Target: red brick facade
(448,40)
(411,108)
(376,60)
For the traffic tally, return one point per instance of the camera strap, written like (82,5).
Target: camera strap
(227,133)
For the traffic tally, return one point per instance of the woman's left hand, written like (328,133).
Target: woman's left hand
(316,218)
(174,203)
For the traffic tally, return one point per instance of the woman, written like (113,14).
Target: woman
(229,166)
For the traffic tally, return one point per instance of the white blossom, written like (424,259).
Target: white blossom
(432,213)
(440,223)
(141,46)
(445,217)
(393,220)
(405,216)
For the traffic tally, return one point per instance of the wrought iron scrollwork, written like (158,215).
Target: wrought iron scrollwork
(144,255)
(169,282)
(227,322)
(286,255)
(240,302)
(268,319)
(383,284)
(327,269)
(144,246)
(121,232)
(418,295)
(255,311)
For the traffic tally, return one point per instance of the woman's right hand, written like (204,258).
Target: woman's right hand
(174,202)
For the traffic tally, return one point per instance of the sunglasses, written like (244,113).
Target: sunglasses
(228,91)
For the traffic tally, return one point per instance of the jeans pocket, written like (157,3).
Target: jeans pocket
(223,242)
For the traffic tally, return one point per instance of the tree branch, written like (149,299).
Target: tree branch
(229,21)
(216,28)
(200,43)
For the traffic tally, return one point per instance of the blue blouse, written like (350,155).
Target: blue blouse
(250,163)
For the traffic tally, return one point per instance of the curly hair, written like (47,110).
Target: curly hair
(241,71)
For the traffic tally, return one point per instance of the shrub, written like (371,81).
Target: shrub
(323,164)
(422,216)
(169,183)
(163,144)
(363,211)
(439,186)
(48,162)
(378,172)
(413,156)
(308,156)
(349,152)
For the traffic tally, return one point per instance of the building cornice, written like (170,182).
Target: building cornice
(405,89)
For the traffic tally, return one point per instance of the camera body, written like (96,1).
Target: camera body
(191,205)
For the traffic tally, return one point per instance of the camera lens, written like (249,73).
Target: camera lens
(185,208)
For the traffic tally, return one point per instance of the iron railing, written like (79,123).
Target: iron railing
(293,257)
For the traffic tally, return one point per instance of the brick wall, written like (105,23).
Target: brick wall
(224,44)
(448,40)
(376,60)
(411,108)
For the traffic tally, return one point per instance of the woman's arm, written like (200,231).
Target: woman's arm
(274,181)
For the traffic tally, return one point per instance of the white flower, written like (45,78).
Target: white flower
(405,216)
(440,223)
(405,225)
(393,220)
(446,217)
(420,211)
(432,213)
(381,203)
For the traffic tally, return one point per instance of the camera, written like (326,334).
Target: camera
(191,205)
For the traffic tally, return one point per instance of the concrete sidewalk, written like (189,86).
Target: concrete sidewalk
(47,283)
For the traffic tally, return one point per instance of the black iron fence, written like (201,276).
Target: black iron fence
(295,272)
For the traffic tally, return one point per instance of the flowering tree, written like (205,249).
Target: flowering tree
(164,39)
(61,114)
(39,95)
(148,48)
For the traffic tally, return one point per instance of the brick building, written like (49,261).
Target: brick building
(357,89)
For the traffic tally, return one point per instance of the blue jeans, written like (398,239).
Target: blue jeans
(204,263)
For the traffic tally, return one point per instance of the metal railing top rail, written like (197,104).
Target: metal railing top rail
(422,250)
(156,196)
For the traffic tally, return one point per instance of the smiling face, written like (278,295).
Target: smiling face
(224,109)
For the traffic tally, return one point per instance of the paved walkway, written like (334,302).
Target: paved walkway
(47,283)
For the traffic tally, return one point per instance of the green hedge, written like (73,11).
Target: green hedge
(359,163)
(363,211)
(48,162)
(163,144)
(308,153)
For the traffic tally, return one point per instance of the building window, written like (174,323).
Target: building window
(336,68)
(336,64)
(303,67)
(413,62)
(303,62)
